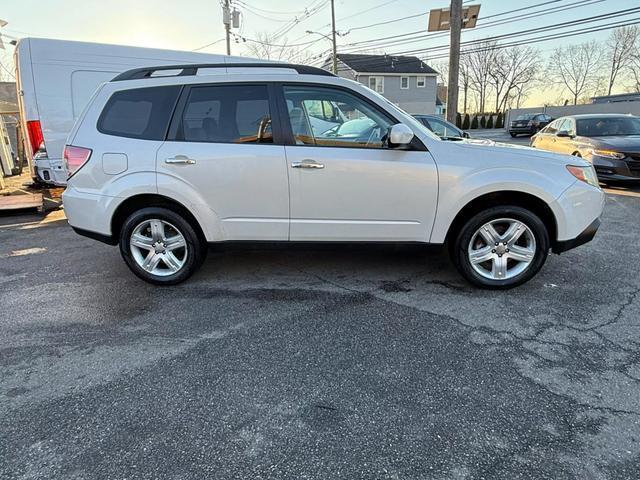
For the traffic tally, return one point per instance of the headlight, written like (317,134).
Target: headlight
(584,174)
(607,154)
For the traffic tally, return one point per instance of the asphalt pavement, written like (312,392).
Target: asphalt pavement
(318,363)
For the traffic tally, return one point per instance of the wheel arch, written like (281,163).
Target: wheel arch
(505,197)
(144,200)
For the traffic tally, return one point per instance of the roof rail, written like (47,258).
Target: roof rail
(192,69)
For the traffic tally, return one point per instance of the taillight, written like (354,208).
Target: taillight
(75,158)
(35,135)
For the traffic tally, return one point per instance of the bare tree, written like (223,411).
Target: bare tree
(634,70)
(621,48)
(266,47)
(481,59)
(513,69)
(575,68)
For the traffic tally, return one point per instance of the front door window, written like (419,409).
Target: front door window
(327,117)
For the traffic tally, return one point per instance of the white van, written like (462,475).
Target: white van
(55,80)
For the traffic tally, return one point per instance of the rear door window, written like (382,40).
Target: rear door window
(142,113)
(226,114)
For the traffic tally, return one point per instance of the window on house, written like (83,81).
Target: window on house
(376,84)
(404,83)
(421,82)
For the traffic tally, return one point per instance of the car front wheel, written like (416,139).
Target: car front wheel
(160,246)
(501,247)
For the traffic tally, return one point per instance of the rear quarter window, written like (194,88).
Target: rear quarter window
(142,113)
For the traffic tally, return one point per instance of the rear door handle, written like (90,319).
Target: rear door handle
(180,159)
(307,164)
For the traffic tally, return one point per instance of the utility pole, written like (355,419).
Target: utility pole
(333,35)
(226,19)
(455,27)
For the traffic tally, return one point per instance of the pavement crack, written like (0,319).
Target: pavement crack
(620,311)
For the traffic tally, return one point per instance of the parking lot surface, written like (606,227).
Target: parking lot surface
(318,362)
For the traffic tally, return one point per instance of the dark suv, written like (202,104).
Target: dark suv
(529,123)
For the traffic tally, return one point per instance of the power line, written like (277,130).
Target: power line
(477,42)
(422,36)
(526,32)
(312,10)
(388,21)
(209,44)
(554,36)
(274,12)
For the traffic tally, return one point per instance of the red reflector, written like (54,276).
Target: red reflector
(75,157)
(35,135)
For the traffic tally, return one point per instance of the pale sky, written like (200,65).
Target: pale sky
(189,24)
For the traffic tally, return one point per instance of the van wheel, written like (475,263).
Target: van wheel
(501,247)
(160,246)
(513,135)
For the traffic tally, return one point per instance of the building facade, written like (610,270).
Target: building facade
(407,82)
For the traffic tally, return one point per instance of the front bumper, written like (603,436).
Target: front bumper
(577,212)
(621,171)
(585,237)
(528,130)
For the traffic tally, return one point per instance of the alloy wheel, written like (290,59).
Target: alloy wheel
(158,247)
(502,249)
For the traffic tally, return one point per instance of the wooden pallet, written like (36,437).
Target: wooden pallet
(21,201)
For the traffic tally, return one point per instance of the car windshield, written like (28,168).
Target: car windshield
(525,116)
(608,126)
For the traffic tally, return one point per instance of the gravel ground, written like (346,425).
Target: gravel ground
(318,363)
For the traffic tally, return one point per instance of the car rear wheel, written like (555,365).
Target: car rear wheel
(501,247)
(160,246)
(513,135)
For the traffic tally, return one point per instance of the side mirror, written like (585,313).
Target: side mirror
(465,135)
(400,135)
(563,134)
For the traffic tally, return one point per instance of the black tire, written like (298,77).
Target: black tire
(459,252)
(196,250)
(513,135)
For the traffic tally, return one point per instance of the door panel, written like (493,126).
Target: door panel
(244,185)
(345,183)
(221,151)
(361,194)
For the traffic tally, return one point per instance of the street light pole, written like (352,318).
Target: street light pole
(333,35)
(455,27)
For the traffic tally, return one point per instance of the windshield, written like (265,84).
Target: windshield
(525,116)
(608,126)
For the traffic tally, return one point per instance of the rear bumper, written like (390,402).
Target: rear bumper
(88,212)
(108,239)
(585,237)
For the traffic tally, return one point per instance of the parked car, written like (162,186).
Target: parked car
(442,128)
(55,80)
(163,165)
(529,123)
(611,142)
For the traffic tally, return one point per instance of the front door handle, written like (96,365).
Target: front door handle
(307,164)
(180,159)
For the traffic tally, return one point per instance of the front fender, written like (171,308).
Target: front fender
(456,192)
